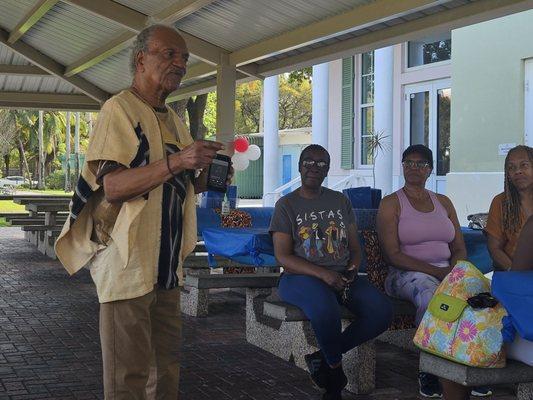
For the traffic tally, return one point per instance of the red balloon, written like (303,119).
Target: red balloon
(241,144)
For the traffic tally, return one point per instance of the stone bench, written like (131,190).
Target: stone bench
(38,229)
(8,215)
(195,292)
(515,372)
(285,331)
(31,221)
(194,300)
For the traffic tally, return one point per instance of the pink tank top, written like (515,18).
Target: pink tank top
(425,236)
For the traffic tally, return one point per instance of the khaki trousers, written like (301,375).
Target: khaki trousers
(140,343)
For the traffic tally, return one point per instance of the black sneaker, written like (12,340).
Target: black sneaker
(429,385)
(318,368)
(481,391)
(332,396)
(336,381)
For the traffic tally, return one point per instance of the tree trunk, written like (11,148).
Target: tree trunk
(196,110)
(77,148)
(180,107)
(40,161)
(25,161)
(21,161)
(48,159)
(7,158)
(67,153)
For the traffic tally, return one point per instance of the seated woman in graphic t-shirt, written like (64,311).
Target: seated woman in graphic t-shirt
(315,240)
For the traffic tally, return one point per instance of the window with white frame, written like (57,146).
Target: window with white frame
(366,107)
(429,51)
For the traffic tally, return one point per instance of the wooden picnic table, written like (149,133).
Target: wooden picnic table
(44,220)
(37,196)
(41,200)
(50,210)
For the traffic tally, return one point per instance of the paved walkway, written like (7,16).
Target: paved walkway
(49,346)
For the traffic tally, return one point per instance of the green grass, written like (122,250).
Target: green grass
(48,192)
(7,206)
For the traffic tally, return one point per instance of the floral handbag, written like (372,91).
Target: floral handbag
(463,322)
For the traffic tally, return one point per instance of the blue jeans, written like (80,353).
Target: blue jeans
(321,304)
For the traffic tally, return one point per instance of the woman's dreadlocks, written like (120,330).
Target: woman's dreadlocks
(511,202)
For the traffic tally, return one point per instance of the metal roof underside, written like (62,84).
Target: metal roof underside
(74,54)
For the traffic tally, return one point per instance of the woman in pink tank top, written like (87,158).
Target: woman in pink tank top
(421,240)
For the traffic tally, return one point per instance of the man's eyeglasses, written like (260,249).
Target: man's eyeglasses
(312,163)
(415,164)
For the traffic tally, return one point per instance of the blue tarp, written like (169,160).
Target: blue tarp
(514,289)
(363,197)
(477,250)
(253,246)
(243,245)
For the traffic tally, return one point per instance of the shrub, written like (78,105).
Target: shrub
(56,180)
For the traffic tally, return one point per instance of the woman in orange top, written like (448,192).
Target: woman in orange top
(510,210)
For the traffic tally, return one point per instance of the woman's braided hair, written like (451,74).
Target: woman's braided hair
(511,201)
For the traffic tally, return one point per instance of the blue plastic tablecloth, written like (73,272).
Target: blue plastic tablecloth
(253,246)
(249,246)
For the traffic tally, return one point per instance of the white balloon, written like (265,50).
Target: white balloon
(240,161)
(253,152)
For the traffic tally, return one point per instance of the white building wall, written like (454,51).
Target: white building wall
(489,106)
(402,77)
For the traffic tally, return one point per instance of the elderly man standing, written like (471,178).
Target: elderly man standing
(133,220)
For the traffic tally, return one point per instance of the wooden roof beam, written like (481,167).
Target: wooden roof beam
(8,69)
(47,101)
(53,67)
(135,21)
(30,19)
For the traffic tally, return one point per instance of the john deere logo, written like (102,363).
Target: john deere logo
(444,307)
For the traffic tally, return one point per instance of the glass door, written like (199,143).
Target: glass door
(427,122)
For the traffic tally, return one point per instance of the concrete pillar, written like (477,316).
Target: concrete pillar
(67,153)
(320,104)
(271,139)
(77,144)
(262,112)
(90,124)
(226,80)
(383,118)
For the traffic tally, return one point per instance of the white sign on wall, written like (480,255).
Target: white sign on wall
(503,148)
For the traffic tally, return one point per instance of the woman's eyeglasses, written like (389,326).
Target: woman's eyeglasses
(415,164)
(312,163)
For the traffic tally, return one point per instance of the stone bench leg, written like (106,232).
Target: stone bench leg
(195,302)
(291,341)
(50,251)
(525,391)
(402,338)
(42,241)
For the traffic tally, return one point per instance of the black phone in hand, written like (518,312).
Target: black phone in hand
(218,173)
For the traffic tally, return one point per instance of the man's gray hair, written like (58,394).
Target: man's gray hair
(141,43)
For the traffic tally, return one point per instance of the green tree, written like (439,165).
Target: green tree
(8,137)
(295,106)
(23,144)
